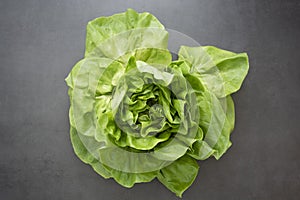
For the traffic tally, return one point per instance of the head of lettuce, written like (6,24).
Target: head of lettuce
(136,115)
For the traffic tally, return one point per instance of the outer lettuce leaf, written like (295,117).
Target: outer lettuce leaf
(217,123)
(86,156)
(231,68)
(129,179)
(121,33)
(178,176)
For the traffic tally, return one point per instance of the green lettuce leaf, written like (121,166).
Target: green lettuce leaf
(178,176)
(221,71)
(123,33)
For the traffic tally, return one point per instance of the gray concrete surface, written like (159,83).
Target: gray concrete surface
(41,40)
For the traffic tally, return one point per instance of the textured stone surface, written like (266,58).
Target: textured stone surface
(41,40)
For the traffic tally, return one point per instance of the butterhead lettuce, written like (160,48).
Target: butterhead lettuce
(137,115)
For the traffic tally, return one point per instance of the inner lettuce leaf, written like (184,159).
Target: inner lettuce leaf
(136,114)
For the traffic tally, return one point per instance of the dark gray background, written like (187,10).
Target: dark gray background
(41,40)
